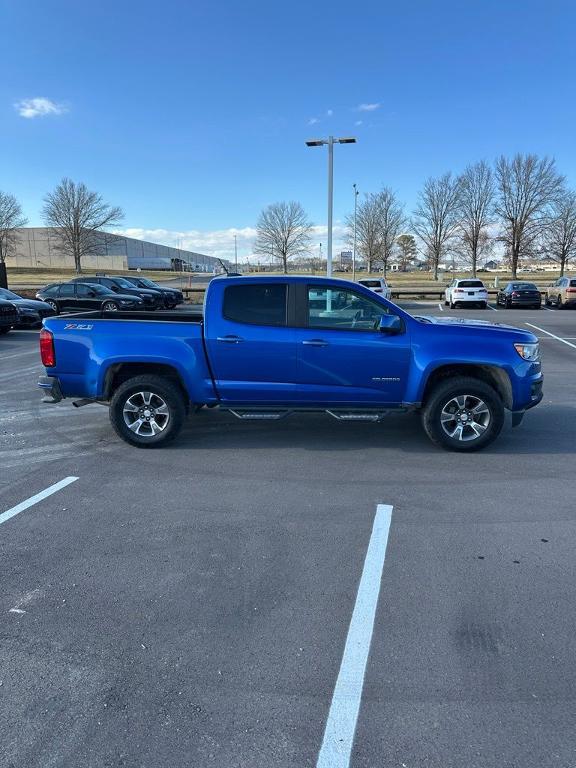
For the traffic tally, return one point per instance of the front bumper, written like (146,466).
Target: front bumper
(51,386)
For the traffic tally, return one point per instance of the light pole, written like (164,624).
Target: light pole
(330,141)
(235,254)
(354,242)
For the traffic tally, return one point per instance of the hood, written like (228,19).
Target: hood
(466,322)
(31,304)
(123,297)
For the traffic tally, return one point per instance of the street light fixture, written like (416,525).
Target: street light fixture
(330,141)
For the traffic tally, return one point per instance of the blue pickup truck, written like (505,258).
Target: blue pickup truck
(267,346)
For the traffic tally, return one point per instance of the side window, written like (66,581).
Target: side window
(342,310)
(83,290)
(67,290)
(256,303)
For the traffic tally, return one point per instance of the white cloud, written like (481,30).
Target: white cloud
(367,107)
(39,107)
(220,242)
(359,122)
(313,121)
(329,113)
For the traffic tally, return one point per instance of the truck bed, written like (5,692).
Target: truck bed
(161,316)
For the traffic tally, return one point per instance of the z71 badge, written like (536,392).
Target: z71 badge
(78,327)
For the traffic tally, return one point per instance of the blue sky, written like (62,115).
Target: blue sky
(192,115)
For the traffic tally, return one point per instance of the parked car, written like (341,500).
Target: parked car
(30,311)
(468,291)
(516,294)
(151,299)
(172,296)
(8,316)
(378,285)
(267,346)
(561,293)
(70,297)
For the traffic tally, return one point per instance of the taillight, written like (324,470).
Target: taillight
(47,348)
(570,290)
(515,293)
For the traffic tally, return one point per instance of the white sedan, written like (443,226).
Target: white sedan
(469,291)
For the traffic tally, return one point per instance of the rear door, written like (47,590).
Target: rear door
(342,356)
(67,297)
(251,348)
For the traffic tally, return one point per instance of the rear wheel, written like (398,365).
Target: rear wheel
(559,303)
(148,411)
(463,414)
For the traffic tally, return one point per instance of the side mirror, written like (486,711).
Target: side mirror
(390,324)
(115,288)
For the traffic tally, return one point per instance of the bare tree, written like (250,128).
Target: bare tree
(379,220)
(474,211)
(436,216)
(559,241)
(77,217)
(11,217)
(528,188)
(407,250)
(283,231)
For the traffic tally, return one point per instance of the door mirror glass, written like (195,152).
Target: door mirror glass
(390,324)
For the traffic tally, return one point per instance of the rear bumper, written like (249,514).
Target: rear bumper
(526,302)
(51,387)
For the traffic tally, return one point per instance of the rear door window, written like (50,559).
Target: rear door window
(256,304)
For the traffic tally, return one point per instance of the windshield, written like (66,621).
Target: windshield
(371,283)
(122,282)
(146,283)
(5,294)
(524,287)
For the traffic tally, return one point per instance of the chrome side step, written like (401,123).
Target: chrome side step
(248,415)
(358,415)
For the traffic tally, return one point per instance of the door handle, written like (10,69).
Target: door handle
(315,343)
(230,339)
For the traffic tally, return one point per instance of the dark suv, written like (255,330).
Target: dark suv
(70,297)
(172,296)
(151,299)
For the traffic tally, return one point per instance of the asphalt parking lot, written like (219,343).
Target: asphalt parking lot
(212,603)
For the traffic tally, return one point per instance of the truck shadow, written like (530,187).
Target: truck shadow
(547,430)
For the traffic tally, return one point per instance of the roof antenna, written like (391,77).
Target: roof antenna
(224,267)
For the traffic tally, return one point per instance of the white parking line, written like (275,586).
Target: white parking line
(558,338)
(36,498)
(491,307)
(341,724)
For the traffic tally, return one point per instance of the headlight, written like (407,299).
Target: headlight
(528,351)
(26,311)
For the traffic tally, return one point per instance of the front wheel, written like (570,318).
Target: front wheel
(148,411)
(54,306)
(463,414)
(109,306)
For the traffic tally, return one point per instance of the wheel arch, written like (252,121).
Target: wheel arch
(117,373)
(492,375)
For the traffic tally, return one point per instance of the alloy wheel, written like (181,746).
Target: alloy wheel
(146,414)
(465,418)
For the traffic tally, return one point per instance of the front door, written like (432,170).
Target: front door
(342,356)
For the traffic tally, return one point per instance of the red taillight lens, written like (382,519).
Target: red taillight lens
(47,348)
(570,290)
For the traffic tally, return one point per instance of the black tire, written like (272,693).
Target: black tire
(484,305)
(162,390)
(559,303)
(452,304)
(54,306)
(110,306)
(473,390)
